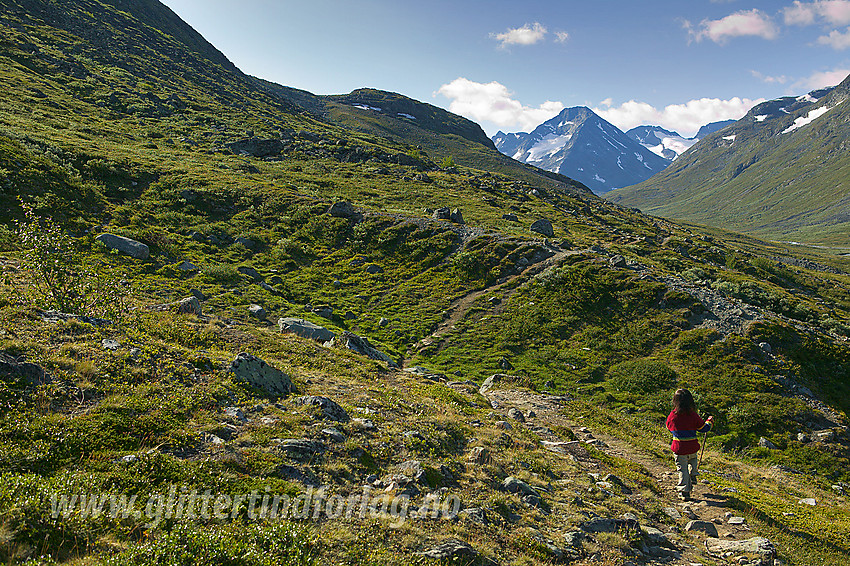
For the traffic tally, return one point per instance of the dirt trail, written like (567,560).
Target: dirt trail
(705,505)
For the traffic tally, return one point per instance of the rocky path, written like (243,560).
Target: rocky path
(702,531)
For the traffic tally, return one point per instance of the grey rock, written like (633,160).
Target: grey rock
(256,147)
(189,305)
(618,261)
(414,434)
(324,311)
(329,409)
(305,477)
(546,545)
(250,272)
(573,539)
(247,243)
(451,549)
(373,269)
(443,213)
(504,425)
(109,344)
(672,512)
(811,501)
(491,382)
(305,329)
(198,294)
(365,424)
(516,414)
(187,266)
(342,209)
(384,322)
(514,485)
(213,439)
(124,245)
(765,443)
(706,527)
(362,346)
(475,515)
(236,413)
(736,520)
(510,217)
(20,370)
(258,312)
(823,435)
(456,216)
(543,227)
(505,364)
(334,434)
(607,525)
(257,373)
(479,455)
(654,537)
(765,347)
(302,448)
(411,468)
(803,437)
(611,478)
(755,545)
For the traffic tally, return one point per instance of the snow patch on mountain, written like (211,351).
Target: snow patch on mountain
(548,146)
(808,118)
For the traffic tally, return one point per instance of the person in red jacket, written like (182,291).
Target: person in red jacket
(685,423)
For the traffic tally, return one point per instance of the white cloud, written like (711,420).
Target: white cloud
(822,79)
(561,36)
(529,34)
(744,23)
(492,102)
(607,102)
(835,12)
(836,39)
(781,79)
(685,118)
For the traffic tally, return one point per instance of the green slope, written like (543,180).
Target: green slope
(117,117)
(785,186)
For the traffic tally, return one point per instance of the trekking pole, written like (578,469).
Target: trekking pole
(702,450)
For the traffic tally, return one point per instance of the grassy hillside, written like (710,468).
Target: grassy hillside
(133,391)
(757,178)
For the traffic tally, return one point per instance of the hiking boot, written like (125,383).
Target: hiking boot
(685,496)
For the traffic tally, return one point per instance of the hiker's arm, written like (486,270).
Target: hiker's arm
(707,426)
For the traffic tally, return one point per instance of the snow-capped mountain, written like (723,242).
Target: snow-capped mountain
(661,142)
(581,145)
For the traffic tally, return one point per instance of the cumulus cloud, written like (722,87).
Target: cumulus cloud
(493,102)
(529,34)
(822,79)
(685,118)
(781,79)
(753,23)
(561,36)
(835,12)
(835,39)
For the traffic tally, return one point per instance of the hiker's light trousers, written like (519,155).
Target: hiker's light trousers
(687,464)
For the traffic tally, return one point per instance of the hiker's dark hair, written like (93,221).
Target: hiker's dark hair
(683,401)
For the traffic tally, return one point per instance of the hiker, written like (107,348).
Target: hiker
(685,423)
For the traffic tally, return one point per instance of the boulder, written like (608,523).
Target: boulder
(755,545)
(765,443)
(453,550)
(342,209)
(189,305)
(456,216)
(516,415)
(27,372)
(543,227)
(334,434)
(329,409)
(250,272)
(442,213)
(302,448)
(187,267)
(124,245)
(510,217)
(491,382)
(257,312)
(257,373)
(618,261)
(305,329)
(362,346)
(256,147)
(706,527)
(479,455)
(513,485)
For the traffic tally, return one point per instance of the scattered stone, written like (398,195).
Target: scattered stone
(479,455)
(546,545)
(611,478)
(516,414)
(302,448)
(808,501)
(573,539)
(765,347)
(451,549)
(475,515)
(736,520)
(672,513)
(305,477)
(504,425)
(703,527)
(823,435)
(384,322)
(505,364)
(305,329)
(414,434)
(257,312)
(246,243)
(109,344)
(362,346)
(187,267)
(510,217)
(334,434)
(491,382)
(513,485)
(607,525)
(250,272)
(324,311)
(329,409)
(213,439)
(543,227)
(257,373)
(343,209)
(374,268)
(236,413)
(618,261)
(765,443)
(755,545)
(124,245)
(803,437)
(364,424)
(411,468)
(654,537)
(189,305)
(256,147)
(442,213)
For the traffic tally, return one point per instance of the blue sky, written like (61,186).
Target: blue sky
(511,65)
